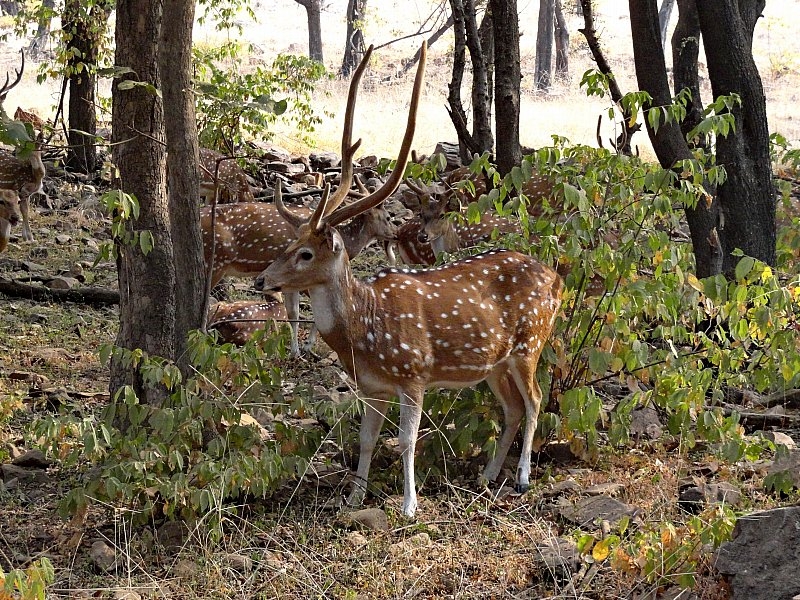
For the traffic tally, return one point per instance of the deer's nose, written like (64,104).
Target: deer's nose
(422,237)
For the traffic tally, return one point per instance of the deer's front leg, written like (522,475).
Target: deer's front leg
(371,422)
(410,417)
(24,207)
(292,302)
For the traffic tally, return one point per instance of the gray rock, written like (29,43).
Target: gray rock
(371,518)
(587,511)
(32,459)
(568,486)
(559,556)
(103,556)
(646,424)
(777,438)
(788,463)
(762,560)
(172,534)
(605,489)
(62,283)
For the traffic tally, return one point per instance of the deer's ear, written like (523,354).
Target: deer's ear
(334,240)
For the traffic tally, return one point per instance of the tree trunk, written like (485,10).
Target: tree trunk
(486,37)
(507,82)
(9,7)
(147,283)
(747,197)
(669,143)
(39,41)
(481,96)
(175,66)
(84,27)
(685,50)
(544,44)
(313,13)
(354,45)
(664,15)
(562,42)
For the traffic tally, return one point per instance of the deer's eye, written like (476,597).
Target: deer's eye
(306,255)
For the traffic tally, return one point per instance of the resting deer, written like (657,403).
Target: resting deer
(236,322)
(223,175)
(399,333)
(251,235)
(9,215)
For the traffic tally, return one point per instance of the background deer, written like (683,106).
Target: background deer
(9,215)
(236,322)
(223,173)
(249,236)
(401,332)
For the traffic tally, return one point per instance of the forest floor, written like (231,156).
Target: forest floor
(464,543)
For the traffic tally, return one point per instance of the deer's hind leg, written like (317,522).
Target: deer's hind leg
(24,208)
(523,371)
(513,405)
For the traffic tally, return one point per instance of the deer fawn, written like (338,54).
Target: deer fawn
(249,236)
(9,215)
(401,332)
(236,322)
(222,175)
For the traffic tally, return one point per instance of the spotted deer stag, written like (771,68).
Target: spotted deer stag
(9,215)
(401,332)
(23,176)
(221,176)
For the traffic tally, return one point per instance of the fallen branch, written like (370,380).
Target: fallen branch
(90,295)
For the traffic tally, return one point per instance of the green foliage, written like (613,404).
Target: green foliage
(28,584)
(200,448)
(123,208)
(233,107)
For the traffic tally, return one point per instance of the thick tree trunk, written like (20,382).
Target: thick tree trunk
(314,16)
(544,44)
(175,66)
(668,141)
(507,82)
(747,197)
(562,42)
(147,283)
(354,45)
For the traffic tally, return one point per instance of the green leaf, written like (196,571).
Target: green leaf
(744,266)
(146,241)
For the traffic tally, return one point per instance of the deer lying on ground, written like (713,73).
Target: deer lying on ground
(9,215)
(249,236)
(223,175)
(236,322)
(399,333)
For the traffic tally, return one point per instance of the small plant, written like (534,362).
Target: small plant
(28,584)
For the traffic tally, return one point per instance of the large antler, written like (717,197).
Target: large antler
(379,195)
(8,87)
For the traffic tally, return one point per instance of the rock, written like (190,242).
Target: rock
(693,495)
(103,556)
(32,459)
(371,518)
(356,539)
(420,540)
(63,239)
(568,486)
(323,160)
(777,438)
(62,283)
(596,508)
(605,489)
(172,535)
(788,463)
(240,562)
(646,424)
(91,243)
(127,595)
(559,556)
(762,560)
(34,379)
(186,569)
(10,471)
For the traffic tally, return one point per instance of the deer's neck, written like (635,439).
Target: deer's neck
(355,236)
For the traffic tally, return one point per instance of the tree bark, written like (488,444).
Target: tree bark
(313,14)
(481,96)
(685,51)
(664,15)
(507,83)
(175,66)
(83,26)
(562,42)
(544,44)
(354,44)
(747,197)
(40,40)
(147,283)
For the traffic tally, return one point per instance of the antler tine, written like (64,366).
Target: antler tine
(7,88)
(293,219)
(383,192)
(362,189)
(315,222)
(349,148)
(415,186)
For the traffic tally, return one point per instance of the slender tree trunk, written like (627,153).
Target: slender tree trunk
(314,16)
(664,15)
(507,82)
(685,51)
(486,37)
(354,45)
(175,66)
(562,42)
(481,103)
(39,41)
(544,44)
